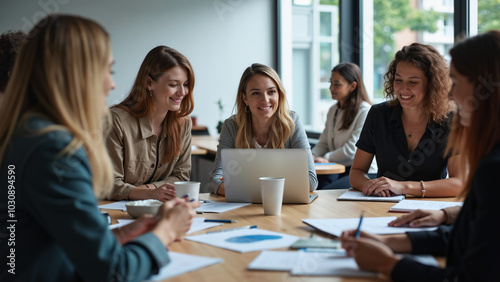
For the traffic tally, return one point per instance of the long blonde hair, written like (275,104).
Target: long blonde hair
(59,74)
(478,59)
(282,124)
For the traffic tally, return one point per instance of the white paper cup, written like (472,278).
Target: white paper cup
(190,188)
(272,194)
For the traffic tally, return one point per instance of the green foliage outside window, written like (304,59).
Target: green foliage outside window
(488,15)
(389,17)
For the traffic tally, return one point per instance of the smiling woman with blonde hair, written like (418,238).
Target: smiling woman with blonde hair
(263,120)
(54,166)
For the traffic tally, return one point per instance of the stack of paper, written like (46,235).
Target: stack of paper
(218,207)
(375,225)
(352,195)
(411,205)
(317,264)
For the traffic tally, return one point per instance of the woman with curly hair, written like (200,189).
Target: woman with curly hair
(408,134)
(471,244)
(263,120)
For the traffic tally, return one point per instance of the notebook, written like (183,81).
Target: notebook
(243,167)
(353,195)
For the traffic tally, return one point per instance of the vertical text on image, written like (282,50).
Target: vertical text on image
(11,226)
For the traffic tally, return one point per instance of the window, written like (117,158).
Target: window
(488,15)
(315,52)
(397,23)
(310,48)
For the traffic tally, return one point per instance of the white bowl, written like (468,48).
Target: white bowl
(138,208)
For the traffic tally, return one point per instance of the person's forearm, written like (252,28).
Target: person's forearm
(399,243)
(165,237)
(140,192)
(358,178)
(449,187)
(118,232)
(221,191)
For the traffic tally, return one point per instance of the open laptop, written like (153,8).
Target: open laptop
(243,167)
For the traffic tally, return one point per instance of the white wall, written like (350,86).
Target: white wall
(219,37)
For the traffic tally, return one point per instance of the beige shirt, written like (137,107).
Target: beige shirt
(132,146)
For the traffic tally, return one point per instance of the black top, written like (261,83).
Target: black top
(383,135)
(473,246)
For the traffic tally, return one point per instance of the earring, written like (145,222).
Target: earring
(150,92)
(247,109)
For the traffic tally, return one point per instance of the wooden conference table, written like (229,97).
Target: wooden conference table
(234,266)
(206,144)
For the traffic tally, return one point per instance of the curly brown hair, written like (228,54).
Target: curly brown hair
(429,61)
(9,46)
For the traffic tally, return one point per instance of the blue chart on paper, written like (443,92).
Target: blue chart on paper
(252,238)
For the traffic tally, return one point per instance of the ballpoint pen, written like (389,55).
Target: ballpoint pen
(358,231)
(231,229)
(221,220)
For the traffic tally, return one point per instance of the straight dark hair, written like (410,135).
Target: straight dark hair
(351,73)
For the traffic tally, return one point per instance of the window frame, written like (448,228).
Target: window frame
(353,16)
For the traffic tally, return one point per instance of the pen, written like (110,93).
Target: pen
(221,220)
(358,231)
(237,228)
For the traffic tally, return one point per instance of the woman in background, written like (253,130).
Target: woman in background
(54,165)
(9,47)
(408,133)
(471,246)
(150,143)
(344,121)
(263,120)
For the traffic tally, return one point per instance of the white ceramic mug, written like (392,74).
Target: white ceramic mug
(190,188)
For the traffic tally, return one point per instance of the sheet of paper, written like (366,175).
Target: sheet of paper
(274,260)
(182,263)
(375,225)
(283,260)
(199,224)
(115,206)
(318,264)
(219,207)
(246,240)
(411,205)
(121,222)
(352,195)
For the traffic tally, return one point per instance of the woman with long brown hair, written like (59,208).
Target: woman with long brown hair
(150,143)
(471,245)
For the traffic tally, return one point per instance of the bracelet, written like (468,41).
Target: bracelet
(423,188)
